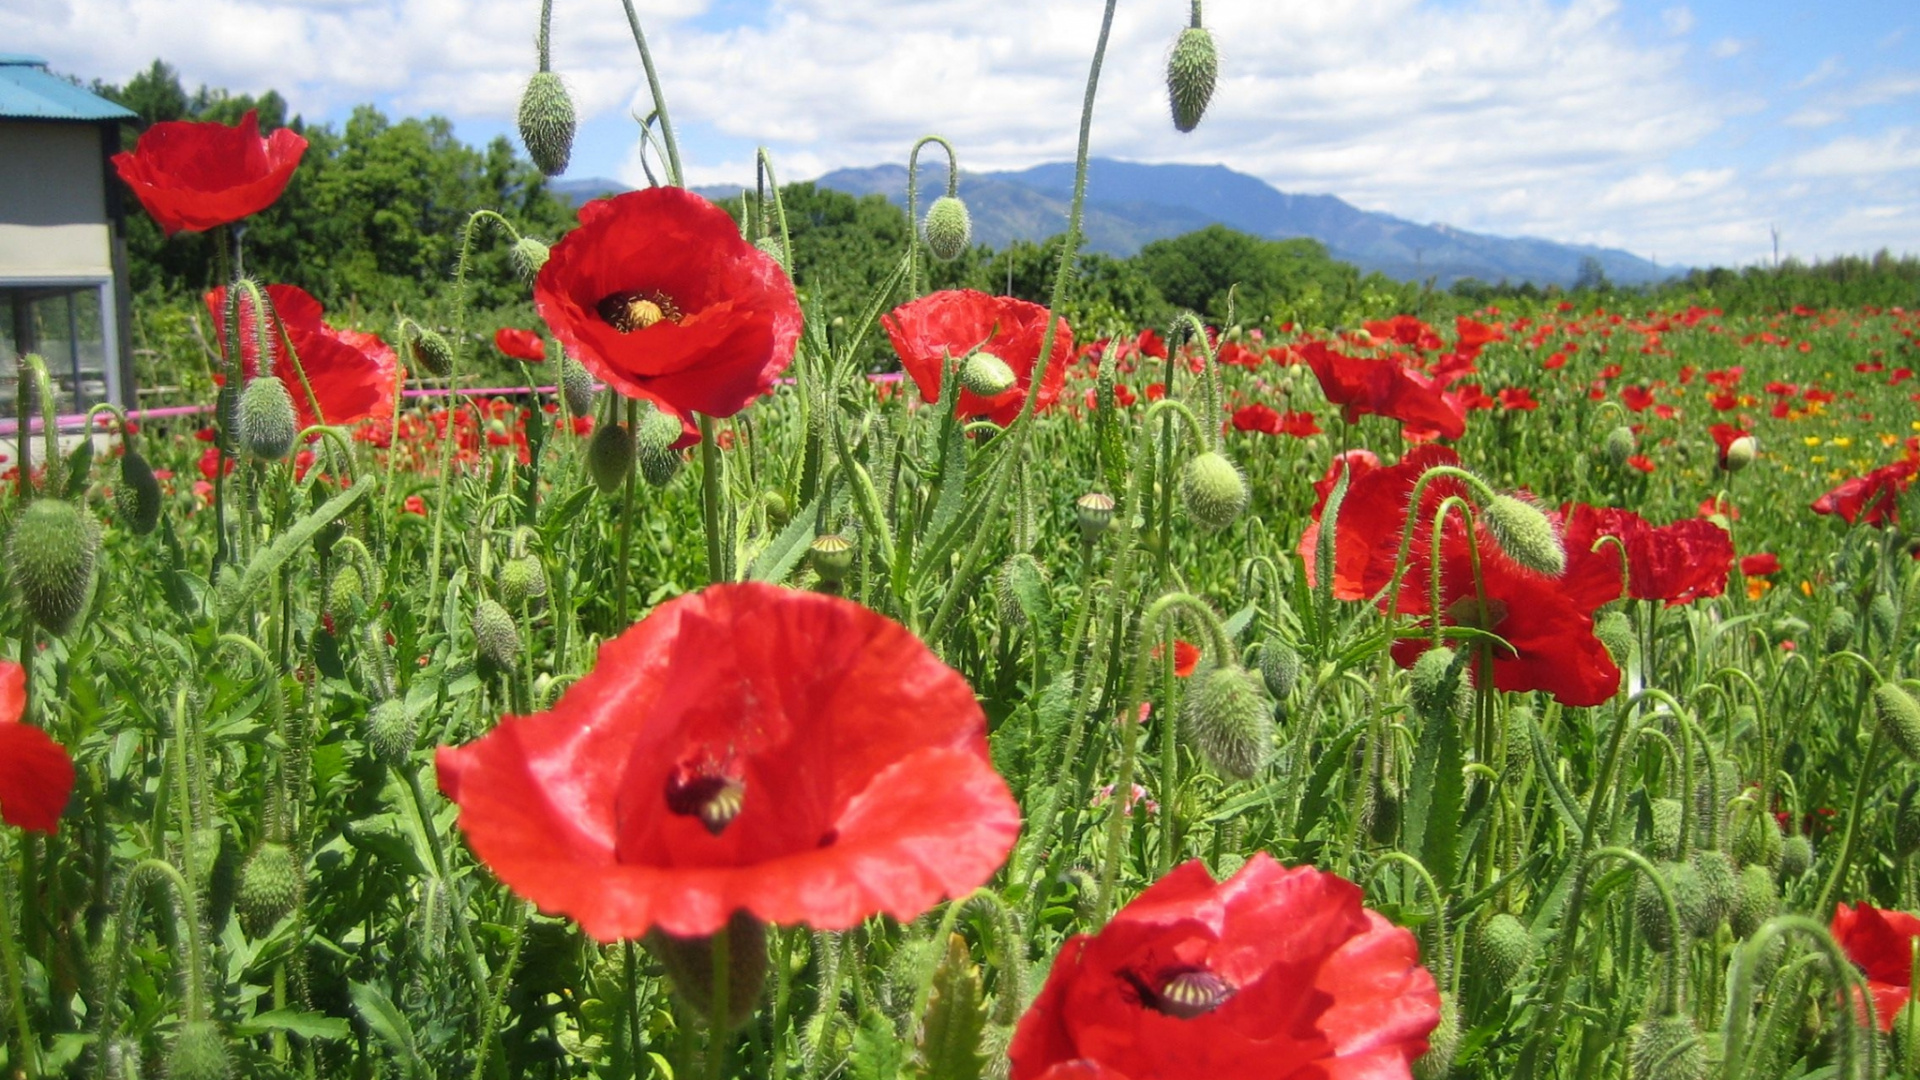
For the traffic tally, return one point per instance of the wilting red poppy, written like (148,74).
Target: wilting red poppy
(745,748)
(1678,562)
(520,344)
(192,176)
(1275,973)
(1373,517)
(1385,387)
(659,296)
(36,775)
(1873,498)
(1880,944)
(352,373)
(959,321)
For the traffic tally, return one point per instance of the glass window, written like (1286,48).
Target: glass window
(64,324)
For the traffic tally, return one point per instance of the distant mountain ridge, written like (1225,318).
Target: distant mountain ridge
(1130,204)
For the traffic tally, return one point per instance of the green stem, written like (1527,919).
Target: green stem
(1860,786)
(674,173)
(710,500)
(456,904)
(28,1058)
(722,1002)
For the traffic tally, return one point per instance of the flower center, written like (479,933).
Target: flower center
(713,798)
(630,311)
(1466,612)
(1184,993)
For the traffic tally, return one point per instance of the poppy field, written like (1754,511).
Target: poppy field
(1522,693)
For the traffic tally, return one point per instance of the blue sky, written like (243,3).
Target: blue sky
(1685,130)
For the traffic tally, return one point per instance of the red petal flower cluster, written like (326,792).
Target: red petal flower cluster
(957,322)
(1268,421)
(193,176)
(520,344)
(1275,973)
(1678,563)
(1873,498)
(36,775)
(1880,944)
(1386,388)
(745,748)
(661,298)
(352,373)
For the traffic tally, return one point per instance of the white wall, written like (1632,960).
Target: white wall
(52,202)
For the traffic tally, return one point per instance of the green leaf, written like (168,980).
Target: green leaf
(1434,803)
(876,1049)
(268,560)
(778,558)
(949,1044)
(387,1023)
(307,1025)
(79,467)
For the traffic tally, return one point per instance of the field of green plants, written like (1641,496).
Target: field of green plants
(1522,693)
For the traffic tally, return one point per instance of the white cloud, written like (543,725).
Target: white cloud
(1728,48)
(1677,20)
(1827,69)
(1895,150)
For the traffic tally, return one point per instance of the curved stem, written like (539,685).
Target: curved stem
(674,174)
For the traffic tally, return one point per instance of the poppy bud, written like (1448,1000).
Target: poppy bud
(270,886)
(1616,633)
(948,228)
(1664,840)
(391,733)
(1796,857)
(1758,840)
(546,122)
(986,375)
(689,964)
(1191,72)
(832,557)
(267,421)
(1756,899)
(495,637)
(523,581)
(53,550)
(1520,741)
(1650,913)
(1719,886)
(345,593)
(772,248)
(1906,823)
(1899,717)
(1440,688)
(1883,616)
(1739,453)
(1279,667)
(137,498)
(528,256)
(199,1052)
(1619,446)
(1094,513)
(1839,630)
(1021,574)
(1526,534)
(1667,1048)
(1230,719)
(778,512)
(1507,947)
(610,457)
(1213,490)
(1442,1044)
(429,350)
(653,445)
(576,385)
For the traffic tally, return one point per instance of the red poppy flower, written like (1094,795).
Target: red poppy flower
(352,373)
(1873,498)
(1518,398)
(959,321)
(1760,564)
(1257,417)
(1880,944)
(1637,398)
(1386,388)
(1186,657)
(36,775)
(1678,563)
(1724,436)
(660,297)
(789,754)
(520,344)
(192,176)
(1276,973)
(1373,517)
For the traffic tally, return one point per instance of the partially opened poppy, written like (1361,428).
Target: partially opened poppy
(192,176)
(1873,499)
(959,322)
(659,295)
(36,775)
(520,344)
(1275,973)
(1386,387)
(1880,944)
(352,373)
(1373,519)
(1677,563)
(746,748)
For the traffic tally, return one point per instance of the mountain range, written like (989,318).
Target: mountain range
(1130,204)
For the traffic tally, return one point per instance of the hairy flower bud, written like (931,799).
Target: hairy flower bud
(1507,947)
(199,1052)
(577,386)
(1619,446)
(1191,71)
(53,553)
(653,445)
(1796,857)
(1279,667)
(689,964)
(528,256)
(610,457)
(1442,1045)
(1899,717)
(1756,899)
(1213,490)
(429,350)
(1667,1048)
(268,424)
(1650,912)
(986,375)
(523,582)
(1616,633)
(1022,574)
(270,886)
(948,228)
(1526,534)
(495,636)
(391,733)
(346,592)
(1230,720)
(1668,819)
(1719,887)
(1440,686)
(546,122)
(1906,822)
(137,497)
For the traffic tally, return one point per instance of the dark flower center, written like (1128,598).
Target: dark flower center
(1183,993)
(630,311)
(1466,612)
(713,798)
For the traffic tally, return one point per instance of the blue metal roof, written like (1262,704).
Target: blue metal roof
(28,91)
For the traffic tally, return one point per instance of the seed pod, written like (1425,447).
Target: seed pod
(547,122)
(495,636)
(1507,948)
(391,733)
(1796,857)
(1191,71)
(1279,667)
(610,457)
(1719,888)
(577,386)
(831,556)
(1094,513)
(1739,453)
(529,255)
(268,424)
(270,887)
(1213,490)
(53,553)
(137,498)
(523,582)
(1899,717)
(199,1052)
(948,228)
(1756,901)
(1526,534)
(689,964)
(1667,1048)
(1230,720)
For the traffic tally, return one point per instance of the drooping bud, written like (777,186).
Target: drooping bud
(1094,514)
(529,255)
(1899,717)
(270,886)
(1839,630)
(1650,913)
(1664,841)
(391,733)
(577,386)
(653,445)
(1739,453)
(1757,841)
(430,351)
(495,636)
(1796,857)
(1507,947)
(1667,1048)
(948,228)
(1526,534)
(1213,490)
(1719,888)
(831,556)
(523,581)
(1230,719)
(986,375)
(1619,446)
(53,552)
(1756,900)
(137,497)
(1883,616)
(610,457)
(546,122)
(689,964)
(199,1052)
(268,424)
(775,504)
(1020,576)
(346,592)
(1191,72)
(1440,687)
(1279,667)
(1616,633)
(1442,1045)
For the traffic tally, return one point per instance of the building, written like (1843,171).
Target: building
(63,259)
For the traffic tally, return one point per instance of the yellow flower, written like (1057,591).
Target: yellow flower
(1842,442)
(1810,440)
